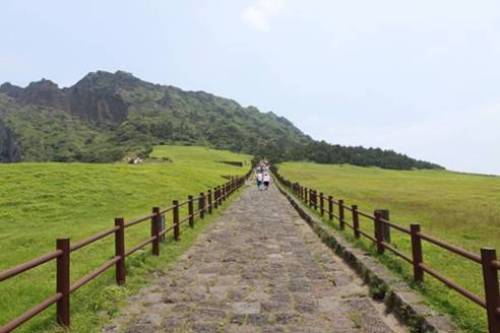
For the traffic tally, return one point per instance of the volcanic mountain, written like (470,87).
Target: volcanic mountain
(105,116)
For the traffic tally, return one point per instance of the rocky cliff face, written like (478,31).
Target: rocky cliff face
(96,98)
(11,90)
(97,107)
(44,93)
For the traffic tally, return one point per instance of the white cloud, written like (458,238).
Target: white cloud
(259,15)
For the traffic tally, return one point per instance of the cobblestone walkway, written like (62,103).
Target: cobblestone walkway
(259,268)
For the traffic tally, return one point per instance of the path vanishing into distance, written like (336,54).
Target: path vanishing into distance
(258,268)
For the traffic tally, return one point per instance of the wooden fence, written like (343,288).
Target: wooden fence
(205,203)
(325,204)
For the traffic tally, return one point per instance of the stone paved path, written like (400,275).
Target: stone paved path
(259,268)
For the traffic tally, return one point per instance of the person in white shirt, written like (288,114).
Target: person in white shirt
(266,180)
(260,179)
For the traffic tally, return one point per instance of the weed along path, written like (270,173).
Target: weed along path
(259,268)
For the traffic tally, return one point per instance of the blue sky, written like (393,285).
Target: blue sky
(420,77)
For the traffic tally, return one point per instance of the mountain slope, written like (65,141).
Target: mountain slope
(105,116)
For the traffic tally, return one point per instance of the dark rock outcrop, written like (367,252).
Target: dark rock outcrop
(96,106)
(95,98)
(9,149)
(11,90)
(45,93)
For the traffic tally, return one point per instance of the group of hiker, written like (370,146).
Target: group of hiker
(263,176)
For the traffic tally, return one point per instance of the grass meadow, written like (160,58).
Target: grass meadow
(463,209)
(40,202)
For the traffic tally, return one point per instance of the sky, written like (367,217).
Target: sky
(420,77)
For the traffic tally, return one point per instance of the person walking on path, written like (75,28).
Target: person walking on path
(260,178)
(266,180)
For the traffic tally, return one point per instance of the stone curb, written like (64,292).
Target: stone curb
(408,306)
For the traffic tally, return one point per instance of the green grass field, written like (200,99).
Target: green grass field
(462,209)
(42,201)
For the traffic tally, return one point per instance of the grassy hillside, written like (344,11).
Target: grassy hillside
(463,209)
(42,201)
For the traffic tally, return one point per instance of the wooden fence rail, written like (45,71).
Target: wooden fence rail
(64,248)
(381,238)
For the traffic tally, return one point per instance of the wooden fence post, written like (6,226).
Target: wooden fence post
(219,195)
(201,208)
(416,251)
(63,281)
(224,192)
(216,198)
(341,214)
(162,225)
(386,229)
(191,211)
(209,201)
(120,272)
(175,219)
(306,195)
(204,203)
(491,288)
(321,203)
(355,220)
(379,235)
(330,207)
(155,231)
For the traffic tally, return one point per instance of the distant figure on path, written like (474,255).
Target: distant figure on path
(260,178)
(266,180)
